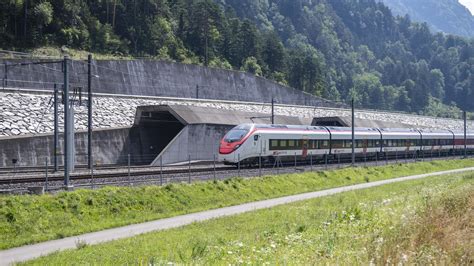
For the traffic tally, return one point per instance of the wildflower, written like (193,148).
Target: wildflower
(404,257)
(230,252)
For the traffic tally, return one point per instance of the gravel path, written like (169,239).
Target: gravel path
(34,251)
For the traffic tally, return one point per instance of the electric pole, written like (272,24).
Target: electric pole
(353,132)
(89,111)
(464,114)
(273,111)
(56,129)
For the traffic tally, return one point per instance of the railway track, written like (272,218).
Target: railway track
(185,173)
(26,180)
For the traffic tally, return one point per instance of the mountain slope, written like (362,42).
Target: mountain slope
(448,16)
(367,53)
(338,49)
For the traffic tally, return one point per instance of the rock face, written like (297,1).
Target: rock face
(29,114)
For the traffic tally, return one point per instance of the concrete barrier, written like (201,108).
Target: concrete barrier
(160,78)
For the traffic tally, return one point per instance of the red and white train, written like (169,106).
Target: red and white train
(247,143)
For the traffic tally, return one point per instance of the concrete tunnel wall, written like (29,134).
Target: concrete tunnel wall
(108,148)
(200,141)
(160,78)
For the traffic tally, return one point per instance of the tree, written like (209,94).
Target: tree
(251,65)
(43,14)
(436,83)
(273,53)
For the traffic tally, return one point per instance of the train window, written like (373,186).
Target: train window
(371,143)
(348,144)
(237,133)
(324,144)
(299,144)
(291,143)
(273,144)
(283,144)
(337,144)
(313,144)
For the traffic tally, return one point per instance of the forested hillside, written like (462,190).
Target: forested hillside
(448,16)
(337,49)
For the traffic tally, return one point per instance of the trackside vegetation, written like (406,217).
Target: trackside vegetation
(426,221)
(26,219)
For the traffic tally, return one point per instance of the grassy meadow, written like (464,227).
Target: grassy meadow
(27,219)
(427,221)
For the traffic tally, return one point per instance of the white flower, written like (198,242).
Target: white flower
(404,257)
(230,252)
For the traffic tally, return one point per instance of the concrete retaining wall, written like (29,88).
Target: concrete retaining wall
(109,147)
(159,78)
(201,142)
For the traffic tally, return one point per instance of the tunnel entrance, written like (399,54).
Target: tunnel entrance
(171,134)
(157,129)
(154,128)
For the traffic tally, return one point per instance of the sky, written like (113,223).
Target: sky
(469,4)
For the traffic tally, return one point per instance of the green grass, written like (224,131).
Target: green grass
(374,225)
(29,219)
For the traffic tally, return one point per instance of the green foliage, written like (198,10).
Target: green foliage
(337,49)
(251,65)
(220,63)
(72,213)
(437,108)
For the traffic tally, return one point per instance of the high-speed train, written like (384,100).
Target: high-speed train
(247,143)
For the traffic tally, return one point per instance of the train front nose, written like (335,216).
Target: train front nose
(226,148)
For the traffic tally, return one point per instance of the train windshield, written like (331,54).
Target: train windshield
(237,133)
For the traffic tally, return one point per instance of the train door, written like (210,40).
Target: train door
(305,146)
(257,145)
(365,144)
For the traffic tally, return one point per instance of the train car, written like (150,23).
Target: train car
(459,142)
(249,143)
(436,141)
(400,141)
(367,141)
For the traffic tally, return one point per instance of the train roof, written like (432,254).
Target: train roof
(384,131)
(264,126)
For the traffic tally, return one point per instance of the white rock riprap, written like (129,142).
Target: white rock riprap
(24,114)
